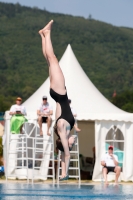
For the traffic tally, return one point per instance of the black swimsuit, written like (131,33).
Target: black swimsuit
(66,112)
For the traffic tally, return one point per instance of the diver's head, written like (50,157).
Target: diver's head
(71,142)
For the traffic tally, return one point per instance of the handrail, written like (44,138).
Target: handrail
(23,141)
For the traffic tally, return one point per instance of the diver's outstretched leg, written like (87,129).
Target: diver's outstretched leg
(47,27)
(43,45)
(43,50)
(57,81)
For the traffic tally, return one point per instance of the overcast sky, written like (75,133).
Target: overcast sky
(116,12)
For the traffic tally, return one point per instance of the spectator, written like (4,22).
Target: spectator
(75,115)
(18,112)
(44,113)
(110,164)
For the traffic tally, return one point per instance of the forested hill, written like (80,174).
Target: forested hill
(104,51)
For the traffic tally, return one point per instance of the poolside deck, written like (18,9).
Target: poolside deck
(83,182)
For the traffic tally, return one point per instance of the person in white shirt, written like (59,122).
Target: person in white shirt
(110,164)
(44,113)
(18,112)
(75,115)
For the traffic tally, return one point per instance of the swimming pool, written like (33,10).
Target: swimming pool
(13,191)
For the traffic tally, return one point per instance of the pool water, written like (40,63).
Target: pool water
(11,191)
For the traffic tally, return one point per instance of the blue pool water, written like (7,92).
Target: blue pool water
(11,191)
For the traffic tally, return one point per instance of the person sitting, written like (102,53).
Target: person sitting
(110,164)
(18,112)
(44,113)
(75,115)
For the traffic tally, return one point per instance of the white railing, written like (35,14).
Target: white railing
(28,155)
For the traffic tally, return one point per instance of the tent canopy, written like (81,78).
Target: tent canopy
(89,103)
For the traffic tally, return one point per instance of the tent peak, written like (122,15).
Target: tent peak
(69,47)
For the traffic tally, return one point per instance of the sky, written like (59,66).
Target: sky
(115,12)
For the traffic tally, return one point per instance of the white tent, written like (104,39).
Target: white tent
(101,122)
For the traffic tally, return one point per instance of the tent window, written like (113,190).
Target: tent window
(115,138)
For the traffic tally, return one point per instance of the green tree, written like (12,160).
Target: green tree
(124,101)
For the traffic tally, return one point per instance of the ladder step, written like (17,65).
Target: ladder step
(14,141)
(15,175)
(22,159)
(70,168)
(73,152)
(43,176)
(41,159)
(17,141)
(12,152)
(26,159)
(72,176)
(42,143)
(21,148)
(52,176)
(34,148)
(31,158)
(73,160)
(42,139)
(18,159)
(41,151)
(18,167)
(43,167)
(25,167)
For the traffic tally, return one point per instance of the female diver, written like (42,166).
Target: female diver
(64,117)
